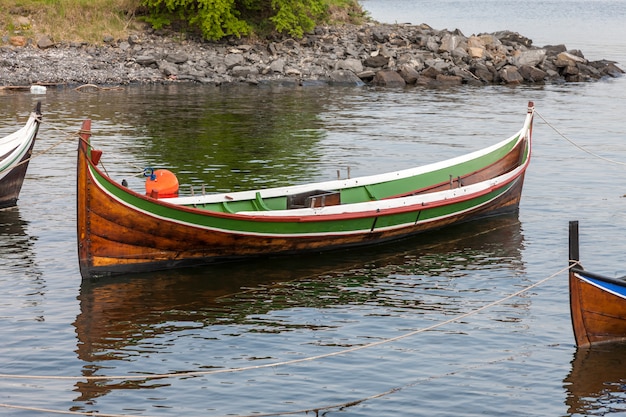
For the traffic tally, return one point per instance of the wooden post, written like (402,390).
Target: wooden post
(574,254)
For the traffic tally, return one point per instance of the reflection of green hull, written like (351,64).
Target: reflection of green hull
(120,230)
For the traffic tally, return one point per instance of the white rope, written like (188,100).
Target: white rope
(377,395)
(303,411)
(38,154)
(315,410)
(578,146)
(293,361)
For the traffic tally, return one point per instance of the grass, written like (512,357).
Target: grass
(69,20)
(91,20)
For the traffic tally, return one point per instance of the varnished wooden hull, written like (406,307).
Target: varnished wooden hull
(598,308)
(597,304)
(14,160)
(121,231)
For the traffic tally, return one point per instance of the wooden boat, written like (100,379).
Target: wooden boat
(597,302)
(121,231)
(15,152)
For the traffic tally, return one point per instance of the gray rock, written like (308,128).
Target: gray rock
(243,71)
(196,74)
(570,58)
(450,42)
(439,64)
(233,60)
(350,64)
(344,77)
(176,57)
(431,72)
(367,75)
(145,60)
(449,79)
(44,42)
(347,54)
(532,74)
(353,51)
(409,74)
(380,34)
(608,68)
(377,61)
(510,75)
(432,43)
(278,65)
(168,68)
(460,53)
(554,50)
(388,78)
(483,72)
(531,57)
(513,38)
(292,72)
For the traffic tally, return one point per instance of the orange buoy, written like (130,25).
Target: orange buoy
(162,183)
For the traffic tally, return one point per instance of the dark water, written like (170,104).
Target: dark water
(312,333)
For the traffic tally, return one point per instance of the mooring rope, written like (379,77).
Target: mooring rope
(72,136)
(577,145)
(292,361)
(67,137)
(351,403)
(35,155)
(316,410)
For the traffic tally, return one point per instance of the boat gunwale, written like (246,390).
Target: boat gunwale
(15,155)
(352,182)
(388,206)
(328,213)
(581,273)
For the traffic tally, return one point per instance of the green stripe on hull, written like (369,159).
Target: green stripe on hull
(406,185)
(275,227)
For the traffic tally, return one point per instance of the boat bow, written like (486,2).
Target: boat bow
(15,152)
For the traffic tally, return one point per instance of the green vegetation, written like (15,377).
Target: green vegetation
(91,20)
(69,20)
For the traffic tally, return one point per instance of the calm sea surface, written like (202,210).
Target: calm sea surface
(282,337)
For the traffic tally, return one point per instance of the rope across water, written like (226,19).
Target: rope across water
(291,362)
(576,145)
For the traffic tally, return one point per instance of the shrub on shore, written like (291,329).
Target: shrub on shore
(92,20)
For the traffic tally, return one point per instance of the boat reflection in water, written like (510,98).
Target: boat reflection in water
(16,246)
(596,384)
(126,317)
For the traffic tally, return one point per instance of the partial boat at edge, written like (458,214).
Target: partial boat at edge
(15,152)
(597,302)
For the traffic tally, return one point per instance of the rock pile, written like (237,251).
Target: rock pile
(379,54)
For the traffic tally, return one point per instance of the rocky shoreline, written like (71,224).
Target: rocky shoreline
(376,54)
